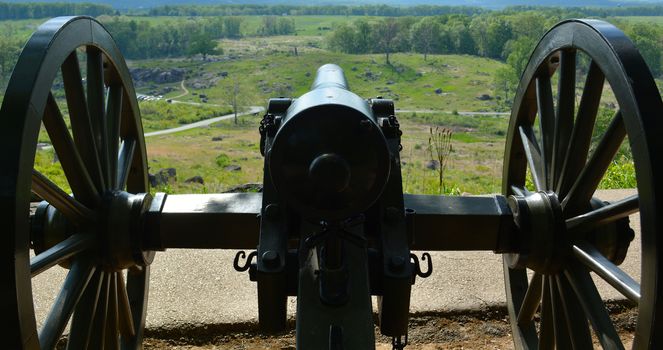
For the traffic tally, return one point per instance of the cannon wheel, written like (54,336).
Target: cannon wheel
(559,303)
(104,295)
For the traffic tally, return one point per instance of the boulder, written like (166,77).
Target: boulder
(484,97)
(217,138)
(432,165)
(162,177)
(232,168)
(250,187)
(195,179)
(438,91)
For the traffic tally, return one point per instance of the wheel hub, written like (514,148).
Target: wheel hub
(544,243)
(118,230)
(121,230)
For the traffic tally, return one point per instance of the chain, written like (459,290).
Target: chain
(340,230)
(266,123)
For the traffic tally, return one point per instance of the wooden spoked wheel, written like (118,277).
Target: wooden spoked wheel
(93,232)
(568,238)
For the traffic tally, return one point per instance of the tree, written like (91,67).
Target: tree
(343,39)
(518,52)
(385,34)
(498,33)
(203,44)
(647,39)
(232,27)
(506,82)
(425,36)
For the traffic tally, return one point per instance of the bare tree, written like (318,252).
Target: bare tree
(439,147)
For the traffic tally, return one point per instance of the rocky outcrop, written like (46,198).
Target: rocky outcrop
(157,75)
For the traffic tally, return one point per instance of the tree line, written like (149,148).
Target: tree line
(508,36)
(139,39)
(45,10)
(301,10)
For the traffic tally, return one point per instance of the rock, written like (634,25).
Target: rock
(195,179)
(354,69)
(484,97)
(438,91)
(432,165)
(250,187)
(163,177)
(157,75)
(217,138)
(223,74)
(307,74)
(232,168)
(390,82)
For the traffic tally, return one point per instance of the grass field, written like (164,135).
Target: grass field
(265,67)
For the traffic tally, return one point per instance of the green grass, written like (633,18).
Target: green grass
(409,80)
(158,115)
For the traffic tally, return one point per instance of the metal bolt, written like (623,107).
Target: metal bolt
(270,258)
(397,263)
(272,211)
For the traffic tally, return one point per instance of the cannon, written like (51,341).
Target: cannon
(332,225)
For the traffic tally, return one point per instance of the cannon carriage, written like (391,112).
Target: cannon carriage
(332,225)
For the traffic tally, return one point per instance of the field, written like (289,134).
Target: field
(433,92)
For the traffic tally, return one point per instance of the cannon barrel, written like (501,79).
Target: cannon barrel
(329,158)
(330,75)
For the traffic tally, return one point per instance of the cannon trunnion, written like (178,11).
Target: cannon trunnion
(332,225)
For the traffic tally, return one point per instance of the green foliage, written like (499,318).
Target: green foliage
(157,115)
(272,25)
(620,174)
(222,160)
(46,10)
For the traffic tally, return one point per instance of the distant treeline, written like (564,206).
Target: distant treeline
(182,37)
(387,11)
(294,10)
(649,10)
(508,36)
(44,10)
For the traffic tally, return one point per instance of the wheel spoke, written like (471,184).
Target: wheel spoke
(533,155)
(55,196)
(547,332)
(608,271)
(531,301)
(125,160)
(72,289)
(81,324)
(97,337)
(581,136)
(544,100)
(70,159)
(137,279)
(96,92)
(518,191)
(566,92)
(593,306)
(59,252)
(112,341)
(604,215)
(562,336)
(80,119)
(124,309)
(113,117)
(591,175)
(576,324)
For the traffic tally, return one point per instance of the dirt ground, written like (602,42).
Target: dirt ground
(486,329)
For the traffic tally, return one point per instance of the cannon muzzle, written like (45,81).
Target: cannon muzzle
(330,75)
